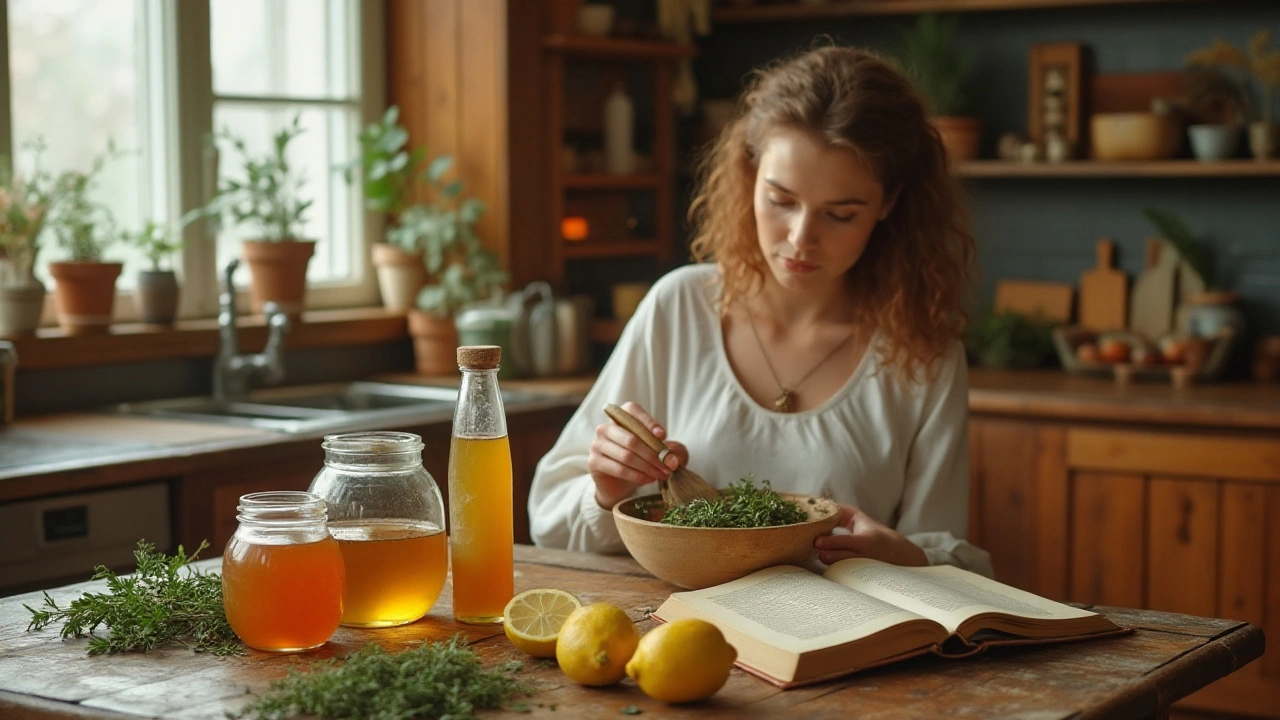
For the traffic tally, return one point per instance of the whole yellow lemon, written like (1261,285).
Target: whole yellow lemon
(682,661)
(595,643)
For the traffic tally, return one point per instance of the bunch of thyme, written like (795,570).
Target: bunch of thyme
(433,680)
(741,505)
(159,605)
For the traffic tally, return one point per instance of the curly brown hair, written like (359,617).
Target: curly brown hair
(915,275)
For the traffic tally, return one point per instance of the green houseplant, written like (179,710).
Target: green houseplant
(941,72)
(1010,340)
(268,196)
(24,205)
(432,223)
(85,283)
(157,288)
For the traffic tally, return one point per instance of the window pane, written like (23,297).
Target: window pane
(283,48)
(327,140)
(80,80)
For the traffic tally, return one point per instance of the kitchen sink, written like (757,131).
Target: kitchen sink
(319,407)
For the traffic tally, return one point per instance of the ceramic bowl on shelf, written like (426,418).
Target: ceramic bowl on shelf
(1134,136)
(595,20)
(694,557)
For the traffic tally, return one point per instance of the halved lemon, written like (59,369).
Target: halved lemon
(533,618)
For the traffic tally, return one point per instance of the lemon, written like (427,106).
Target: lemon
(595,643)
(533,618)
(682,661)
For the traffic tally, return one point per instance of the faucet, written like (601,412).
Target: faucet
(231,370)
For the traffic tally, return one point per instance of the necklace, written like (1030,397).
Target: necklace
(785,402)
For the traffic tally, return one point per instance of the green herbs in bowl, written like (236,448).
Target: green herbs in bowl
(747,529)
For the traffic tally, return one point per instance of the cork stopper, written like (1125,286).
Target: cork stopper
(479,357)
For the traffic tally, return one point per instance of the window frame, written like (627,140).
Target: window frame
(186,76)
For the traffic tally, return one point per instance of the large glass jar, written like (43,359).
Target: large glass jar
(282,573)
(386,513)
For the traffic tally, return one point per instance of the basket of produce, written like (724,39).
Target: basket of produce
(1129,356)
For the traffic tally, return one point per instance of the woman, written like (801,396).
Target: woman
(821,349)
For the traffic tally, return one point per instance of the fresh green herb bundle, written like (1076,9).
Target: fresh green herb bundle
(433,680)
(741,505)
(159,605)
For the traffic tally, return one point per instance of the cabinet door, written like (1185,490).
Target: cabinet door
(206,501)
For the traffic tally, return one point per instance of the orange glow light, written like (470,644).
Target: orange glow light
(574,229)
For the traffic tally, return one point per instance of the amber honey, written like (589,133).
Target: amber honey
(480,528)
(395,570)
(285,597)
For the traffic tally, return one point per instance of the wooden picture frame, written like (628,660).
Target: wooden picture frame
(1056,82)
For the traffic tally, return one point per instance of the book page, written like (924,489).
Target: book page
(791,608)
(946,594)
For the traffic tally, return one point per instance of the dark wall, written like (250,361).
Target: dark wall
(1046,228)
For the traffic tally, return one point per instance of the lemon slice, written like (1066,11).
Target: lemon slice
(533,618)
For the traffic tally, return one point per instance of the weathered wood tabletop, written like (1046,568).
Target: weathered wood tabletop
(1134,676)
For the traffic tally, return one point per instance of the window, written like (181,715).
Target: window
(136,73)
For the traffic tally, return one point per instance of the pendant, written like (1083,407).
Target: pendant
(783,402)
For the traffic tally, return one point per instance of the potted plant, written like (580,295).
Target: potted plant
(941,71)
(1010,340)
(1222,75)
(85,283)
(24,205)
(1207,307)
(157,289)
(269,197)
(390,174)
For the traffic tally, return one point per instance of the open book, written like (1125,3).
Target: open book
(793,627)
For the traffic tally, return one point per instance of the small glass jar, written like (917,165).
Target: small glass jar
(282,574)
(386,513)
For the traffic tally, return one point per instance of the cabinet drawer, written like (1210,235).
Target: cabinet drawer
(1173,454)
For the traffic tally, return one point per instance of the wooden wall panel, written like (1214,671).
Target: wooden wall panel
(1182,546)
(1107,520)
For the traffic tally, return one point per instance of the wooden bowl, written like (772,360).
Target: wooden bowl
(1134,136)
(695,558)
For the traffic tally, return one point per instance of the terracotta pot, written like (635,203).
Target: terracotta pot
(401,276)
(278,273)
(85,293)
(960,135)
(1264,139)
(157,297)
(20,308)
(435,343)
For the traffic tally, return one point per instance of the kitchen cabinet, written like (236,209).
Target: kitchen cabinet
(1179,519)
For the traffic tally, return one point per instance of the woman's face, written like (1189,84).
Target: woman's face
(815,207)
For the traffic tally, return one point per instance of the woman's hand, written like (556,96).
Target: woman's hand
(619,461)
(868,539)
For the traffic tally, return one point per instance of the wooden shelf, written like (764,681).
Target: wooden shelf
(1098,169)
(132,342)
(610,248)
(611,182)
(606,331)
(844,8)
(607,48)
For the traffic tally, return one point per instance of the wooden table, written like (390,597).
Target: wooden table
(1133,676)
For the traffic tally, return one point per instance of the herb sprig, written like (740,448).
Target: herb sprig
(433,680)
(741,505)
(159,605)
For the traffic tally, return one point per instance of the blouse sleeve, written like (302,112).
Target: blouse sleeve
(935,502)
(563,512)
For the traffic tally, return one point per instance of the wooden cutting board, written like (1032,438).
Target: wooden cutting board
(1049,300)
(1104,292)
(1151,311)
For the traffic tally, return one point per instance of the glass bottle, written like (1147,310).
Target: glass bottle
(282,573)
(386,513)
(481,533)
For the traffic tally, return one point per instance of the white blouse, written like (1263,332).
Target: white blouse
(898,451)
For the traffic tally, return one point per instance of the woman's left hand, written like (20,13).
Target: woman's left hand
(868,539)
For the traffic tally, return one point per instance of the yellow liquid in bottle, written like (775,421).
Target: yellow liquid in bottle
(481,534)
(395,570)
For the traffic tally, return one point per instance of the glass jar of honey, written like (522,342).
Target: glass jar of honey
(282,573)
(386,513)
